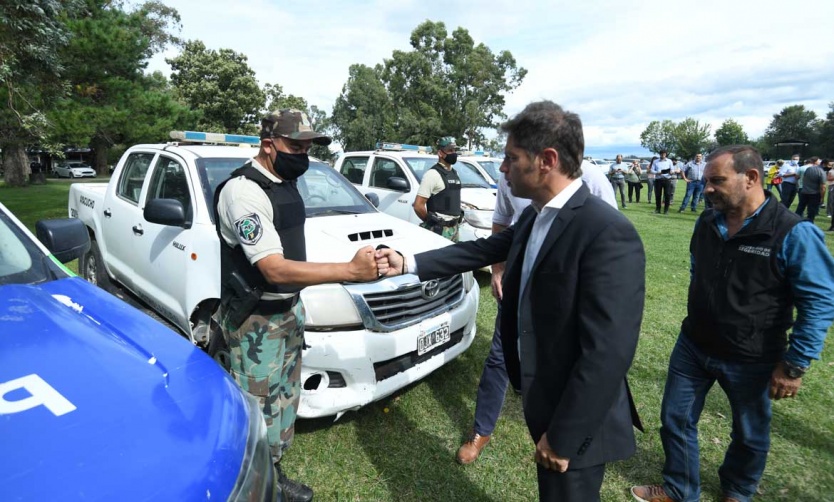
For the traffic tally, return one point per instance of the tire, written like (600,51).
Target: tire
(91,267)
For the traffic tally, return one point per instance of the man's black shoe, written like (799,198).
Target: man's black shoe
(680,210)
(665,211)
(293,490)
(657,211)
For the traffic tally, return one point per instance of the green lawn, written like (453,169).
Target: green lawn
(403,447)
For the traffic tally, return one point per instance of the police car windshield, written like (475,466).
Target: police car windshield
(491,167)
(469,176)
(21,261)
(325,191)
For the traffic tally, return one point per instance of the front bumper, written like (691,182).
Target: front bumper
(467,232)
(345,370)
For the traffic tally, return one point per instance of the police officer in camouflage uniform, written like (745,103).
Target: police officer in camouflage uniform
(438,198)
(260,216)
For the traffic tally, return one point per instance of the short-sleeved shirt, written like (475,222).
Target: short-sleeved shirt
(508,207)
(660,165)
(612,171)
(813,180)
(695,170)
(788,168)
(431,184)
(243,203)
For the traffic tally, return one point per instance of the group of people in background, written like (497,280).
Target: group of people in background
(807,182)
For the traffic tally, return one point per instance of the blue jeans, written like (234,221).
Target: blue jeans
(694,190)
(493,385)
(691,374)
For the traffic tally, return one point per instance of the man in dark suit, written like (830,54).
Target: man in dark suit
(573,288)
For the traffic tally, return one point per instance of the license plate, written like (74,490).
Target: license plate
(433,338)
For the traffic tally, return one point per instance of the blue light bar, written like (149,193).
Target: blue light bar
(383,145)
(215,137)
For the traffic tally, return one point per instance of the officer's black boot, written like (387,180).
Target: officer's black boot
(293,490)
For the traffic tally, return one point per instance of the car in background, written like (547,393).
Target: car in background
(73,169)
(487,166)
(101,402)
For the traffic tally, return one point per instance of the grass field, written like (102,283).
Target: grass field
(403,448)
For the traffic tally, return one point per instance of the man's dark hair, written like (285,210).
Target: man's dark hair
(545,124)
(812,160)
(745,157)
(663,151)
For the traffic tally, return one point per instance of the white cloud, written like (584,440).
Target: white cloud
(618,64)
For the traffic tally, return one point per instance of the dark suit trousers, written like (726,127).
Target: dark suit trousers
(580,485)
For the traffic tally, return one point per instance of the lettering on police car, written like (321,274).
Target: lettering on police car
(249,229)
(179,246)
(86,201)
(40,394)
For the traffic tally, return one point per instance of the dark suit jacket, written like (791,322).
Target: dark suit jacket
(587,292)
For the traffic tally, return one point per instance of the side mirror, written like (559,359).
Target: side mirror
(397,183)
(167,212)
(66,238)
(372,198)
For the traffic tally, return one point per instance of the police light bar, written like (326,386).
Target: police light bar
(382,145)
(215,137)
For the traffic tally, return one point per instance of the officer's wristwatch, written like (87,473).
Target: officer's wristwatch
(793,371)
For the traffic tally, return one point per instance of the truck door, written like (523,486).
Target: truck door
(395,202)
(161,261)
(121,215)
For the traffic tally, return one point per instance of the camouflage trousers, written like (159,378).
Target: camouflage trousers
(450,233)
(266,362)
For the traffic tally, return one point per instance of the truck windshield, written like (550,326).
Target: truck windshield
(469,176)
(325,191)
(21,260)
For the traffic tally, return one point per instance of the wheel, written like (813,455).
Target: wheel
(91,267)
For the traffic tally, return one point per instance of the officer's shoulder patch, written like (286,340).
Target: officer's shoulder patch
(249,229)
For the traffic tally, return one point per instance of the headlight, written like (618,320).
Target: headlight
(478,218)
(256,481)
(329,306)
(468,281)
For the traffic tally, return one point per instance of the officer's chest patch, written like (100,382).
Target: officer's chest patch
(249,229)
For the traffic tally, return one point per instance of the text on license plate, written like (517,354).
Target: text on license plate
(433,338)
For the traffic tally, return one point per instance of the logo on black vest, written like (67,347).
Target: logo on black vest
(249,229)
(757,250)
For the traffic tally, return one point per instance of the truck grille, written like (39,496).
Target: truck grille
(409,304)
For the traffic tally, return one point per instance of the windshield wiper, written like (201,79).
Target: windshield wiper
(474,185)
(335,211)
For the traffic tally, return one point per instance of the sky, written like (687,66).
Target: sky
(619,65)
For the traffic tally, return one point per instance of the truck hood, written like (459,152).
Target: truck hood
(336,238)
(481,198)
(130,415)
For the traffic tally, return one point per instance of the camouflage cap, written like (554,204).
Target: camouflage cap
(446,141)
(293,124)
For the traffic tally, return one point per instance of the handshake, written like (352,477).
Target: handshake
(369,264)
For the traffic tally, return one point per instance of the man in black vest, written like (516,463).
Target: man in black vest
(753,261)
(260,219)
(438,198)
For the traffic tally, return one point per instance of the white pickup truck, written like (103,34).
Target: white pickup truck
(153,233)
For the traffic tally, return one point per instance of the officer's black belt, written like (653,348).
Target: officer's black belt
(276,306)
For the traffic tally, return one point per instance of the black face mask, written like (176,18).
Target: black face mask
(451,158)
(290,166)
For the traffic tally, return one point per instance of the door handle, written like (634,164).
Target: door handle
(107,213)
(137,229)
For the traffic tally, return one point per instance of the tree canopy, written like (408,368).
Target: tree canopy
(445,86)
(731,133)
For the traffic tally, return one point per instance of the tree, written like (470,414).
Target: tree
(444,86)
(659,136)
(731,133)
(826,134)
(220,85)
(31,33)
(277,100)
(796,123)
(363,113)
(112,100)
(691,137)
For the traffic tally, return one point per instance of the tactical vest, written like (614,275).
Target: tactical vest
(446,201)
(288,217)
(740,305)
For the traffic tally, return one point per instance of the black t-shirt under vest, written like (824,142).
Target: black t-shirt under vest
(288,217)
(446,201)
(740,305)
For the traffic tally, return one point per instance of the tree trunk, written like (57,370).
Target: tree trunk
(100,147)
(15,165)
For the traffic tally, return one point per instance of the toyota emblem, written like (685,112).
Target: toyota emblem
(429,289)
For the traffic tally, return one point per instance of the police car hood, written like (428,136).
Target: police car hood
(97,398)
(481,198)
(336,238)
